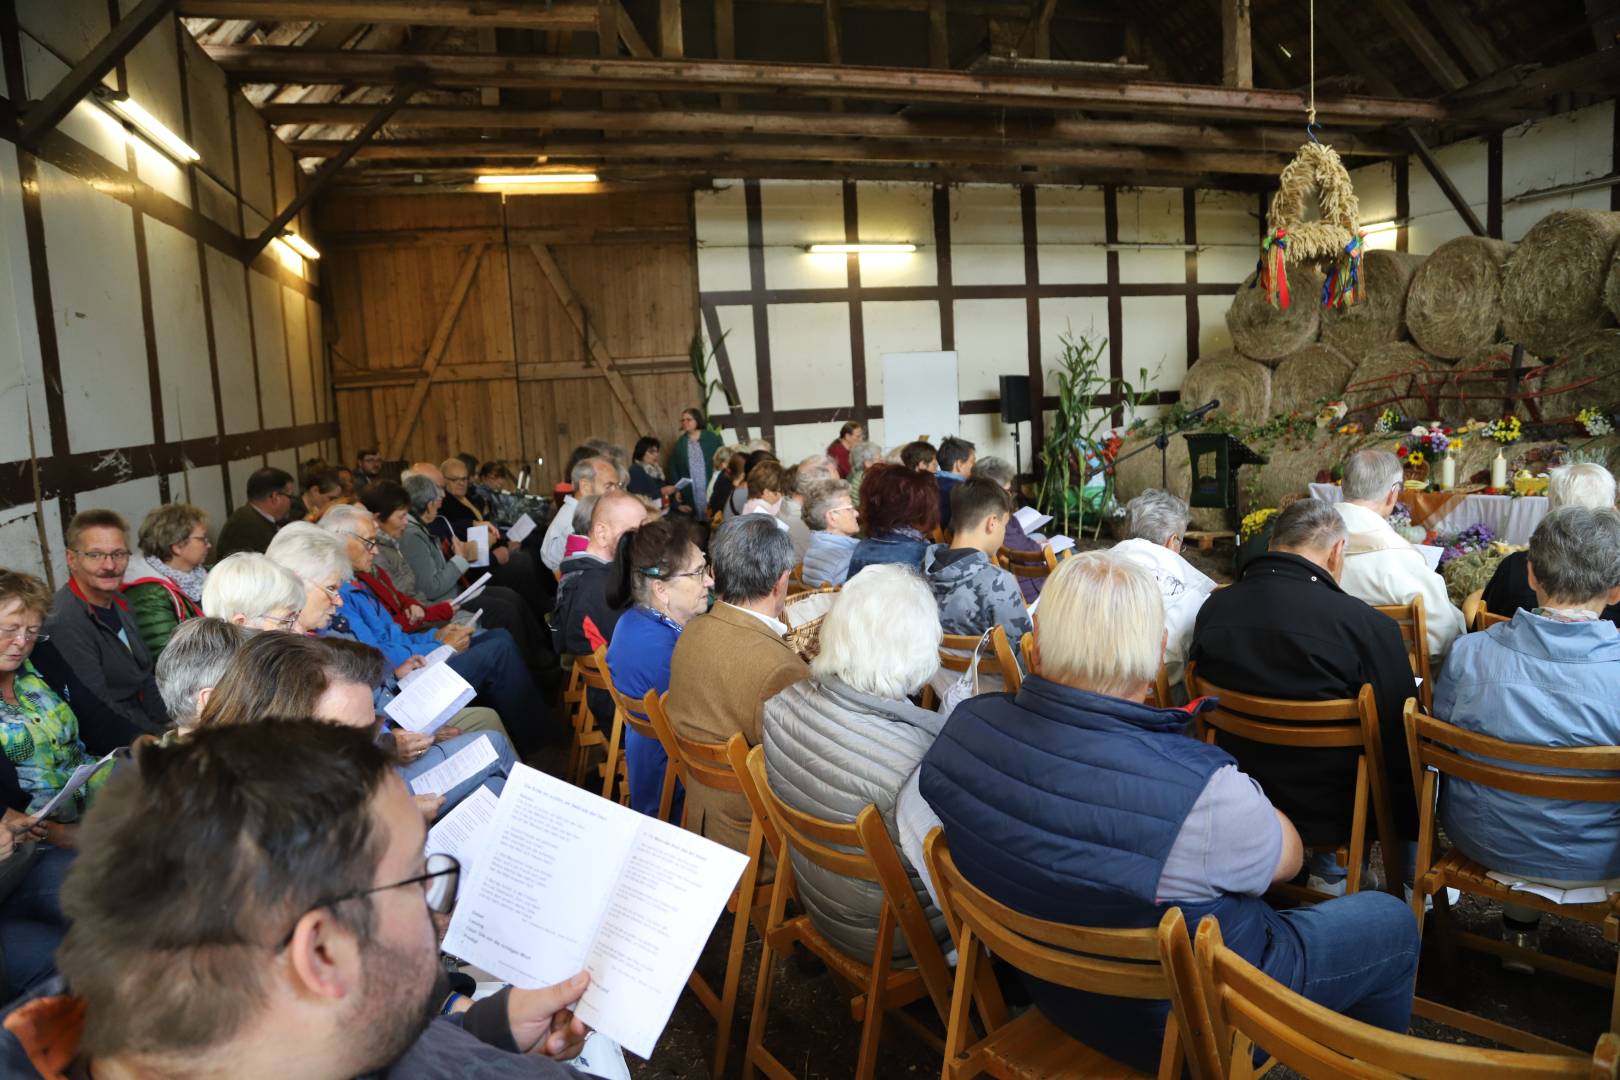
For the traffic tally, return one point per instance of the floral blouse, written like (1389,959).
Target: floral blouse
(40,736)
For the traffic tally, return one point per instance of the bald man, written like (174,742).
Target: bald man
(582,592)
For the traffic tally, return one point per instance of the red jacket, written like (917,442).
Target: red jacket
(397,603)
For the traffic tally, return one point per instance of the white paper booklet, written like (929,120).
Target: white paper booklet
(471,592)
(1032,519)
(1580,894)
(467,762)
(519,530)
(569,880)
(461,833)
(435,695)
(479,535)
(437,656)
(80,777)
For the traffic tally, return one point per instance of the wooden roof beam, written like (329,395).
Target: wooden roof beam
(89,71)
(263,64)
(1237,44)
(1595,73)
(514,14)
(1427,48)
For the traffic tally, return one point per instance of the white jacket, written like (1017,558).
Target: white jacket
(1381,567)
(1184,588)
(555,542)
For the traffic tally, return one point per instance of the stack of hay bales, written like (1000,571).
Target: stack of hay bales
(1553,286)
(1242,386)
(1315,372)
(1396,376)
(1268,334)
(1454,304)
(1380,317)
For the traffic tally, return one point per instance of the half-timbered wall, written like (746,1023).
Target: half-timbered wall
(141,360)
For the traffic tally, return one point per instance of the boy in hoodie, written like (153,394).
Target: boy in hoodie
(975,594)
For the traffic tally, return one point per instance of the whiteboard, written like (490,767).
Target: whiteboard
(920,397)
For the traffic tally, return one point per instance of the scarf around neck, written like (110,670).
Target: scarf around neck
(189,582)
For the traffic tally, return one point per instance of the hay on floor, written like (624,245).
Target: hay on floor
(1553,284)
(1590,368)
(1396,376)
(1242,386)
(1262,332)
(1380,317)
(1454,303)
(1315,372)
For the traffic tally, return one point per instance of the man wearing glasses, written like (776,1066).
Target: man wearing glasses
(270,495)
(267,882)
(93,629)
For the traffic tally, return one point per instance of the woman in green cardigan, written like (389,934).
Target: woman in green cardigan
(691,457)
(164,583)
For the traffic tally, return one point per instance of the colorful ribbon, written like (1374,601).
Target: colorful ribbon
(1344,285)
(1272,273)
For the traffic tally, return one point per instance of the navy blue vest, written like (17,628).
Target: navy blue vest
(1064,805)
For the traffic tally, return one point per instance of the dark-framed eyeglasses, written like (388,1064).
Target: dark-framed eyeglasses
(121,555)
(369,543)
(440,881)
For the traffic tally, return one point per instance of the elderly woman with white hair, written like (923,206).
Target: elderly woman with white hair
(1582,484)
(254,591)
(319,563)
(1073,801)
(1157,523)
(848,736)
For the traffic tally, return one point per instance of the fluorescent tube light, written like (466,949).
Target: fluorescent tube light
(300,245)
(1380,227)
(860,249)
(503,179)
(151,127)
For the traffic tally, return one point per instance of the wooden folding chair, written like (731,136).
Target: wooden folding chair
(1029,564)
(1415,636)
(1488,618)
(796,579)
(1159,696)
(586,734)
(862,850)
(1120,963)
(1248,1008)
(637,717)
(1470,608)
(1011,674)
(1345,723)
(1437,749)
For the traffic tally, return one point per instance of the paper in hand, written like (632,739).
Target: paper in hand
(520,529)
(471,592)
(437,656)
(462,832)
(479,535)
(1032,519)
(80,777)
(464,764)
(683,482)
(434,696)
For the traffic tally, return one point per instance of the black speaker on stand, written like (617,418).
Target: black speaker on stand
(1016,407)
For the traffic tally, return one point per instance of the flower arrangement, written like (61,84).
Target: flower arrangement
(1506,430)
(1595,421)
(1350,429)
(1387,421)
(1254,522)
(1477,537)
(1401,516)
(1331,413)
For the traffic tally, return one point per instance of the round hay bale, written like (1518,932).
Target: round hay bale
(1479,383)
(1552,285)
(1454,303)
(1381,316)
(1315,372)
(1590,367)
(1396,376)
(1262,332)
(1243,387)
(1611,294)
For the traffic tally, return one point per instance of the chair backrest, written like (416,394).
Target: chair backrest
(956,651)
(1160,694)
(796,579)
(634,712)
(1522,768)
(700,762)
(1026,651)
(1012,676)
(1486,618)
(1030,564)
(1415,636)
(1470,608)
(590,668)
(737,754)
(1248,1008)
(1342,722)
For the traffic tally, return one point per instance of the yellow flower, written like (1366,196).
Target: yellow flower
(1415,458)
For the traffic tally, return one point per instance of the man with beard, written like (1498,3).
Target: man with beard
(255,903)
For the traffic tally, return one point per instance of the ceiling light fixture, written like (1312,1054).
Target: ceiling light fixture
(860,249)
(300,245)
(504,179)
(1380,227)
(150,126)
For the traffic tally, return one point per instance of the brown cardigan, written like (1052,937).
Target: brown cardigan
(726,665)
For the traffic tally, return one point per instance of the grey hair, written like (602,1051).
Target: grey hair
(1575,553)
(863,453)
(252,585)
(1585,483)
(998,469)
(1308,523)
(1369,475)
(820,497)
(311,551)
(813,468)
(751,552)
(343,517)
(169,525)
(583,509)
(1156,516)
(882,634)
(422,492)
(193,660)
(585,470)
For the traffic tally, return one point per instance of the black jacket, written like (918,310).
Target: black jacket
(1286,630)
(582,593)
(1510,589)
(245,530)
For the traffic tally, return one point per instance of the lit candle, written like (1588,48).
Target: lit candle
(1499,472)
(1448,473)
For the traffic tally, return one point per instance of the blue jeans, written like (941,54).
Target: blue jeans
(31,922)
(1360,957)
(495,668)
(493,777)
(645,761)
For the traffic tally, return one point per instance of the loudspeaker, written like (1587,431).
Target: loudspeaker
(1015,403)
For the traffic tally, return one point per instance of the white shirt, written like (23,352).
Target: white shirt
(778,627)
(1184,588)
(557,534)
(1381,567)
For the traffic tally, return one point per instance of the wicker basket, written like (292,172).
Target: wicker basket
(803,614)
(1416,472)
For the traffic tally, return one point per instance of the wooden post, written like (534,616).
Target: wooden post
(725,41)
(832,14)
(1443,180)
(435,351)
(939,35)
(1237,44)
(671,37)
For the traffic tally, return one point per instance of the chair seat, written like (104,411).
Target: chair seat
(1032,1048)
(1460,872)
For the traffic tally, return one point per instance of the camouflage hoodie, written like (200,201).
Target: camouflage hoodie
(973,593)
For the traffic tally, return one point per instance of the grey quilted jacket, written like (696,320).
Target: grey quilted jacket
(829,751)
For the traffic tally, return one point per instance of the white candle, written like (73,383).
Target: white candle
(1499,472)
(1448,473)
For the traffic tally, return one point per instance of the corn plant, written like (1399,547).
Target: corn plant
(1073,449)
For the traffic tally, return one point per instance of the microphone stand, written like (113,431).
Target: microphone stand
(1162,442)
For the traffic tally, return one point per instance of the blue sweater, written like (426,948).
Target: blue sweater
(906,546)
(638,657)
(1545,683)
(373,626)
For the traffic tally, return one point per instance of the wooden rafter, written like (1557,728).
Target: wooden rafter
(263,64)
(1594,73)
(582,326)
(435,350)
(1433,55)
(88,72)
(671,36)
(939,35)
(1476,49)
(1237,44)
(516,14)
(1444,182)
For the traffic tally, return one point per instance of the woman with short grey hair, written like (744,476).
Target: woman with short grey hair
(254,591)
(163,585)
(862,456)
(188,670)
(438,576)
(830,512)
(849,737)
(1581,484)
(1157,523)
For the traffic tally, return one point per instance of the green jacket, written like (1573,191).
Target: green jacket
(157,605)
(677,468)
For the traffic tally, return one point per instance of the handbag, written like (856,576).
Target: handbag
(967,684)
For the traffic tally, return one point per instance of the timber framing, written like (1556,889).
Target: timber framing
(88,72)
